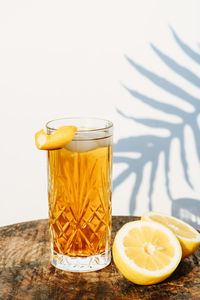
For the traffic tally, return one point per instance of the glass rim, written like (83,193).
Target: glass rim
(109,126)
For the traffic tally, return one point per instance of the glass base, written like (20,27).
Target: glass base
(81,264)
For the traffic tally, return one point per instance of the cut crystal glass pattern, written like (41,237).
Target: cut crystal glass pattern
(79,186)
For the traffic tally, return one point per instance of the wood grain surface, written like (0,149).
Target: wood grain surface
(26,273)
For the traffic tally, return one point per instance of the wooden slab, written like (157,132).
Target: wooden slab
(25,272)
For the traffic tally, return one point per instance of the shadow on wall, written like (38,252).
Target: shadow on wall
(150,146)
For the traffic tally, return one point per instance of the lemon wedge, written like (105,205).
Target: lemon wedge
(57,140)
(146,252)
(188,237)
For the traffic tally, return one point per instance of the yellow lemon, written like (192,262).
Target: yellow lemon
(57,140)
(146,252)
(188,237)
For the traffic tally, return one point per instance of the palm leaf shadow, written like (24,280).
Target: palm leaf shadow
(188,210)
(150,146)
(188,51)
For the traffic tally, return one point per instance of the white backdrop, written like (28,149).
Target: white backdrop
(79,58)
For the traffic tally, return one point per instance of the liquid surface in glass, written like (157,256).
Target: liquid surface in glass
(79,186)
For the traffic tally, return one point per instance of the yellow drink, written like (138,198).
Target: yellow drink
(80,201)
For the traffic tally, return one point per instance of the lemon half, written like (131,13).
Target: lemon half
(146,252)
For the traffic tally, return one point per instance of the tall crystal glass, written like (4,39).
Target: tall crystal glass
(79,194)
